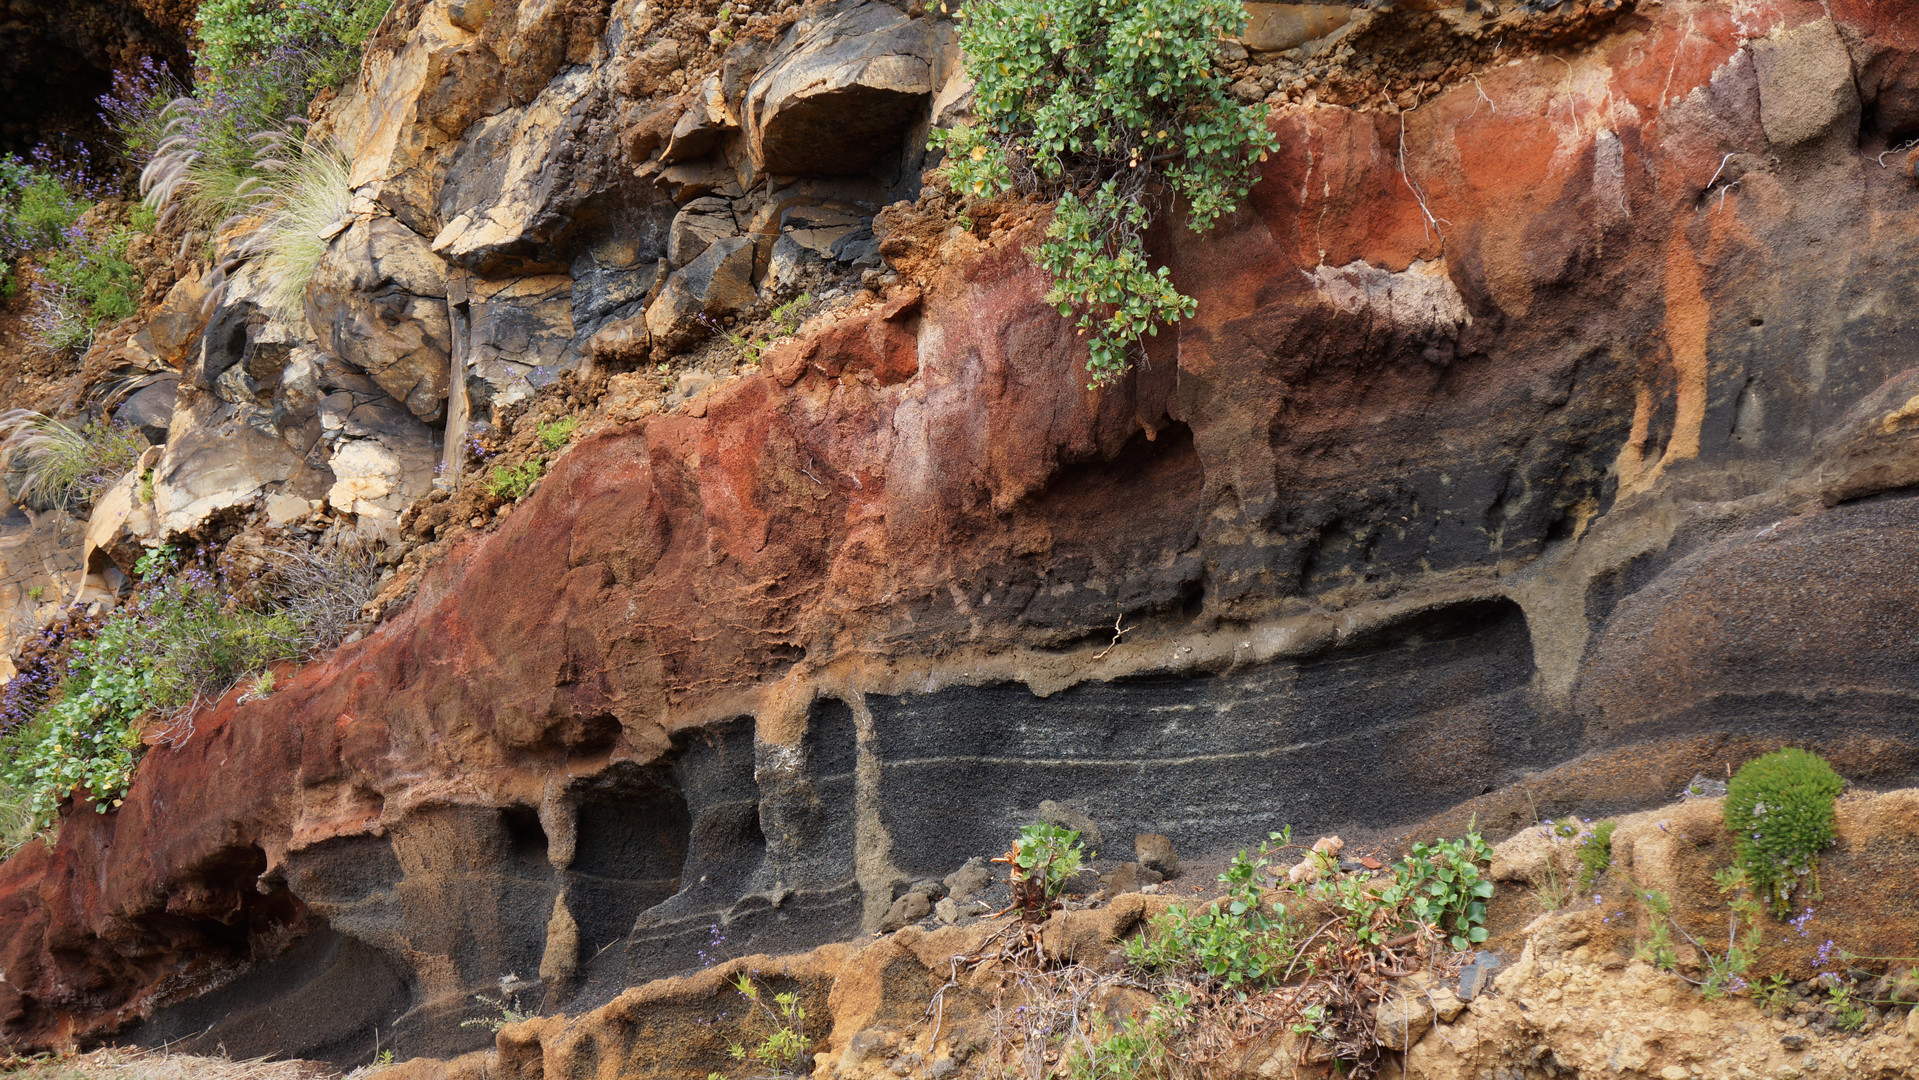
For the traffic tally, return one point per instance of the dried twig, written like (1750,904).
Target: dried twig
(1118,632)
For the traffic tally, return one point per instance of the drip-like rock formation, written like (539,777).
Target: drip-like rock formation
(1542,439)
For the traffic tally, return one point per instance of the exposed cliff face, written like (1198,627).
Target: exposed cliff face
(1541,445)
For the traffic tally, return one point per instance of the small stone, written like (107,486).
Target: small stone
(1248,90)
(1793,1041)
(1912,1025)
(946,911)
(1130,877)
(941,1068)
(932,887)
(1674,1072)
(969,880)
(1371,863)
(1446,1004)
(1066,817)
(1400,1021)
(1155,852)
(908,909)
(1477,976)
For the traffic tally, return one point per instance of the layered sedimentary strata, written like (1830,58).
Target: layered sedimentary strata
(1549,439)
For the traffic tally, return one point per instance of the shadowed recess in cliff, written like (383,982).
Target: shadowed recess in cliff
(771,860)
(335,992)
(1401,721)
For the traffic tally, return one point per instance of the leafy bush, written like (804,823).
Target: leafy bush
(305,194)
(1239,941)
(85,283)
(1779,809)
(1108,107)
(235,33)
(1039,864)
(65,466)
(39,202)
(85,279)
(1448,889)
(176,642)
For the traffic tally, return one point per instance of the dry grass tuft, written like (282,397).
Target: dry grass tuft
(116,1064)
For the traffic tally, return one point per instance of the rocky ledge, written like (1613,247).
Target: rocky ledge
(1540,442)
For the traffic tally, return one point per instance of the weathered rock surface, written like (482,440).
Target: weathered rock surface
(1541,447)
(378,301)
(1571,999)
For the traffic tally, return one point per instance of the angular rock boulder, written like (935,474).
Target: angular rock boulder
(718,282)
(696,226)
(378,301)
(839,91)
(217,456)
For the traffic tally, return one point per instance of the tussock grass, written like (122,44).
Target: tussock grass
(16,821)
(306,194)
(66,466)
(114,1064)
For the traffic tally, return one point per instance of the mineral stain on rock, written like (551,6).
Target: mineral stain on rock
(1542,440)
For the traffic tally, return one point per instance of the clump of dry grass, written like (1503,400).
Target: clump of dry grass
(118,1064)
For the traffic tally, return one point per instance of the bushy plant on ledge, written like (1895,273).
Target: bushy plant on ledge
(179,641)
(1779,809)
(1111,108)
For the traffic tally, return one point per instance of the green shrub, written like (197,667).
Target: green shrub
(235,33)
(512,482)
(1447,887)
(1779,809)
(65,466)
(37,206)
(1239,940)
(555,433)
(84,284)
(177,642)
(1041,861)
(1109,107)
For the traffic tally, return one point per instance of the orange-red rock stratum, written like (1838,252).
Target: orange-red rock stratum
(1552,438)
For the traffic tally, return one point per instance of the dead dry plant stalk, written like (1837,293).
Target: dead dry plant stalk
(325,589)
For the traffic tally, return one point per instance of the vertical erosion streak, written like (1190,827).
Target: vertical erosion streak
(873,848)
(1687,317)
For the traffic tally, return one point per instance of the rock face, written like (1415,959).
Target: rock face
(1543,446)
